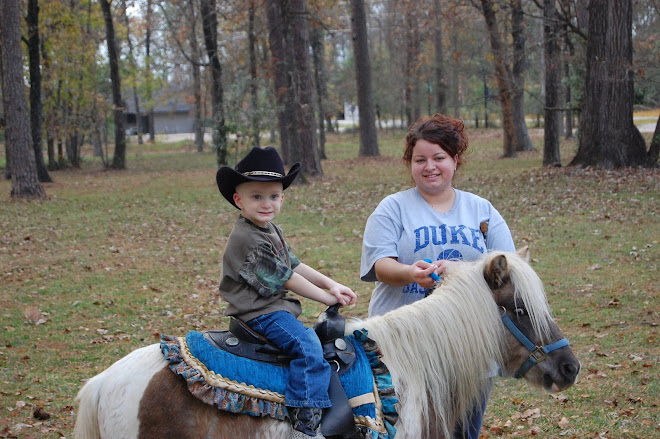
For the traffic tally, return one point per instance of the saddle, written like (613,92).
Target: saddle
(243,341)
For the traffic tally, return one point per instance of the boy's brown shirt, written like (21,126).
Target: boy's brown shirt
(256,263)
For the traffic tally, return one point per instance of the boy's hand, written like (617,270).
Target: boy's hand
(343,295)
(309,283)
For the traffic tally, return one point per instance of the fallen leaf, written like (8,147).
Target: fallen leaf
(563,422)
(614,302)
(560,398)
(41,414)
(496,429)
(628,413)
(32,314)
(531,414)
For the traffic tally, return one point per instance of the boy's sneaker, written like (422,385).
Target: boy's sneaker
(306,422)
(300,435)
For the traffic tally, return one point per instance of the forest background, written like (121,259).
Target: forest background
(125,240)
(290,69)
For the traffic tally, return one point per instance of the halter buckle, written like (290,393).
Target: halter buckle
(538,354)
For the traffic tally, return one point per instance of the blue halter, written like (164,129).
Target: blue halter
(537,353)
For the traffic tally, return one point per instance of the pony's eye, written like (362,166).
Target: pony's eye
(520,312)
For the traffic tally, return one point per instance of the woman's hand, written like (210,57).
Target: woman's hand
(392,272)
(420,273)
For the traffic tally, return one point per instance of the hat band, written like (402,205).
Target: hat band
(263,173)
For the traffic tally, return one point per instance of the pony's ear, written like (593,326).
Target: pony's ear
(524,253)
(496,272)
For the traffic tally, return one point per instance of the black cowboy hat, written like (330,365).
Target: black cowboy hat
(258,165)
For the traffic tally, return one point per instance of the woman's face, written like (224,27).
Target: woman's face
(432,167)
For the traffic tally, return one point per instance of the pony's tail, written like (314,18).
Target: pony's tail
(87,423)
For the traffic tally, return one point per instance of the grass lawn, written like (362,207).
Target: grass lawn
(113,259)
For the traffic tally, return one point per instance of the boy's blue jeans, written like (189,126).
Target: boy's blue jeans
(309,373)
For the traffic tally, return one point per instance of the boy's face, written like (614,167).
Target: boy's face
(259,201)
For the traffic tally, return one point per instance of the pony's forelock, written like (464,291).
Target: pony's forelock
(529,289)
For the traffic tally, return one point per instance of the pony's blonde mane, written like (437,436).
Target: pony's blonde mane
(440,350)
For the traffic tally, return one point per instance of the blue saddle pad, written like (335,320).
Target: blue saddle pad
(241,385)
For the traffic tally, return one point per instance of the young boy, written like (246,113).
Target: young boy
(257,270)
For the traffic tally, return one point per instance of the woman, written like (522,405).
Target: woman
(432,221)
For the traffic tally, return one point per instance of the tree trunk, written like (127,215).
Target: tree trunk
(96,136)
(503,77)
(119,157)
(136,96)
(198,127)
(368,133)
(608,136)
(49,112)
(210,25)
(302,82)
(486,99)
(411,76)
(439,63)
(73,145)
(408,41)
(252,42)
(6,175)
(524,143)
(552,113)
(147,67)
(279,66)
(36,105)
(56,160)
(568,92)
(318,55)
(455,69)
(291,104)
(20,153)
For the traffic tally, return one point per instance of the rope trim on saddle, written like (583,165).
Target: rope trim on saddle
(223,398)
(217,380)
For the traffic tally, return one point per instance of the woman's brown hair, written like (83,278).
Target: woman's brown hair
(440,129)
